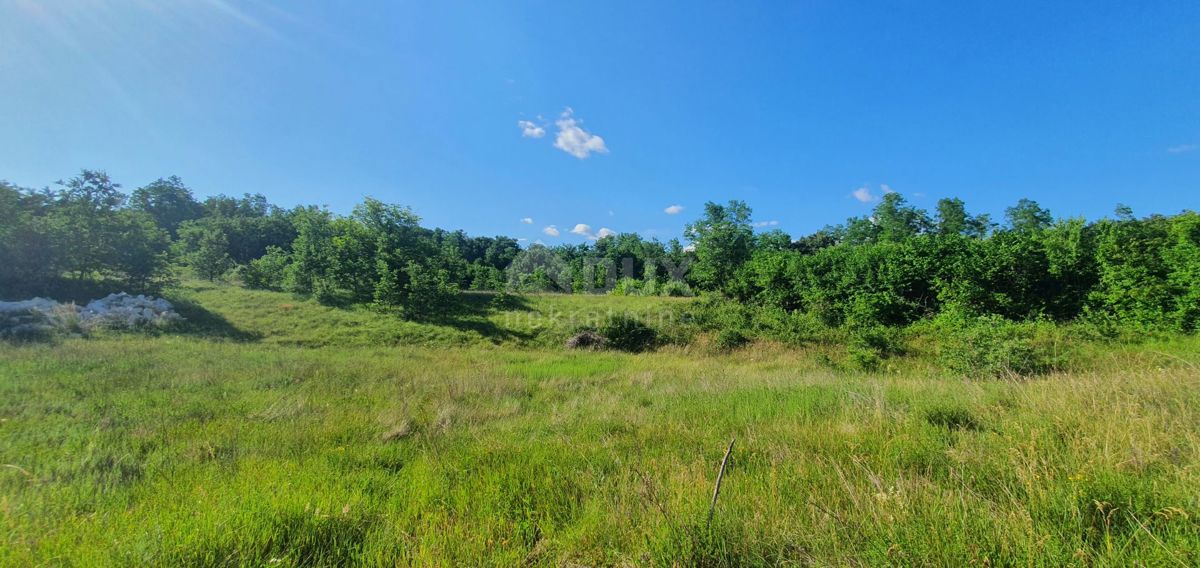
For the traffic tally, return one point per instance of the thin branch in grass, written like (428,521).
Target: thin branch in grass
(33,478)
(712,506)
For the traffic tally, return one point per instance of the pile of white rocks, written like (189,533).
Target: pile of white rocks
(40,317)
(125,311)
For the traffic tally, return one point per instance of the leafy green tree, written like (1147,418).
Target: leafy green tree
(1134,277)
(268,272)
(83,221)
(211,258)
(1183,261)
(429,291)
(724,240)
(312,251)
(953,219)
(28,258)
(897,221)
(140,256)
(168,201)
(1028,217)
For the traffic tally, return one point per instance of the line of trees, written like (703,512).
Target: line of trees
(898,265)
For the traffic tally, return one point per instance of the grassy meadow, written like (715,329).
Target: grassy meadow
(271,431)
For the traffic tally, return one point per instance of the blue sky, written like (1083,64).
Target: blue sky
(795,107)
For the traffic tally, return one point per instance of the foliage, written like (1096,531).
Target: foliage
(896,267)
(267,272)
(209,258)
(991,346)
(82,231)
(168,201)
(730,339)
(724,241)
(627,333)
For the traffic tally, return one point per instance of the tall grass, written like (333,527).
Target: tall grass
(183,450)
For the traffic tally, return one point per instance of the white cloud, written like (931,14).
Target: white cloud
(574,140)
(864,194)
(582,229)
(605,232)
(527,220)
(689,248)
(551,230)
(1183,148)
(766,223)
(522,239)
(673,210)
(530,129)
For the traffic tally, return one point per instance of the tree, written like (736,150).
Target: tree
(210,259)
(168,201)
(724,239)
(140,250)
(1028,217)
(953,219)
(83,221)
(429,291)
(28,259)
(897,221)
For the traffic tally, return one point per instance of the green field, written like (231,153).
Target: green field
(271,431)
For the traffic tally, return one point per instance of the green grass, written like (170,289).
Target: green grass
(538,320)
(327,437)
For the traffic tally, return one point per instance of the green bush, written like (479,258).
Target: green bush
(675,289)
(788,326)
(627,333)
(628,287)
(267,272)
(993,346)
(730,339)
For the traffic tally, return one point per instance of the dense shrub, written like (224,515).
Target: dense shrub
(268,272)
(675,289)
(628,333)
(630,287)
(730,339)
(992,346)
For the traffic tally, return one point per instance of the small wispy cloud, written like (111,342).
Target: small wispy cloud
(767,223)
(689,248)
(866,195)
(673,210)
(605,232)
(1183,148)
(527,220)
(551,230)
(582,229)
(574,140)
(530,129)
(863,194)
